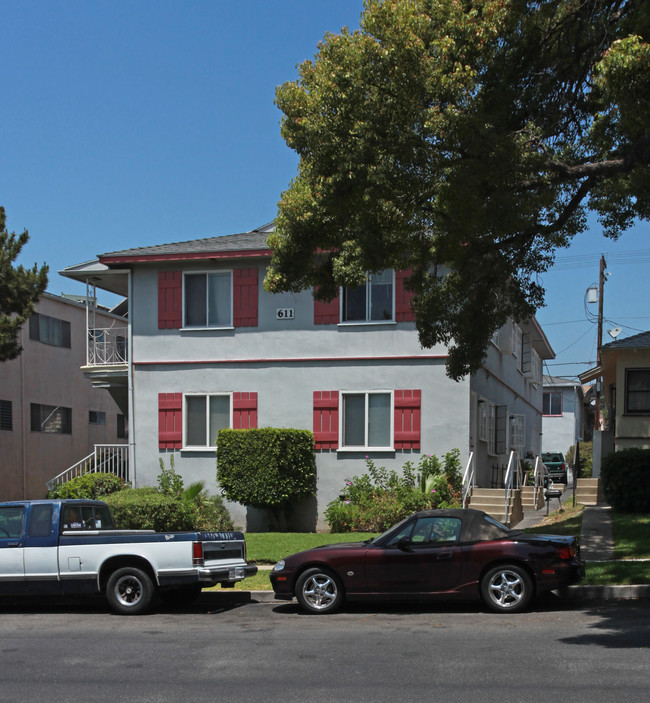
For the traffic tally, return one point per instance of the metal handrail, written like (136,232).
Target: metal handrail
(540,472)
(105,458)
(513,476)
(469,479)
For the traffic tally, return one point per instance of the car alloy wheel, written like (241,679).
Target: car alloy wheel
(507,588)
(318,591)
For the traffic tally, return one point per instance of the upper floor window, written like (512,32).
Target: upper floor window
(371,302)
(52,419)
(204,416)
(96,417)
(207,300)
(637,391)
(49,330)
(552,403)
(6,415)
(366,421)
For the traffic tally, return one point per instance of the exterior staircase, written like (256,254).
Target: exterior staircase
(528,500)
(587,491)
(492,502)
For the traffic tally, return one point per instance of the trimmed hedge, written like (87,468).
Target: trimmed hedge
(266,468)
(89,486)
(148,509)
(625,476)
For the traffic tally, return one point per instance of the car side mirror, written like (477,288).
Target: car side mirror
(404,544)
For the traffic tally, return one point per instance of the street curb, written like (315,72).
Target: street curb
(629,592)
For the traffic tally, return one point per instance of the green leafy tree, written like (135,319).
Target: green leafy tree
(19,289)
(468,139)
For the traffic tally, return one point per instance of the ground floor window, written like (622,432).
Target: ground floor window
(366,421)
(52,419)
(204,416)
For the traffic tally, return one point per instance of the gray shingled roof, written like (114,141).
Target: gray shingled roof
(246,241)
(636,341)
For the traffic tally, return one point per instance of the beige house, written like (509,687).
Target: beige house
(625,373)
(51,415)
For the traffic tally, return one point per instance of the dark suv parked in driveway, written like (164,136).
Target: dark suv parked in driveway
(557,467)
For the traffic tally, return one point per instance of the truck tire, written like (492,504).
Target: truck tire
(129,591)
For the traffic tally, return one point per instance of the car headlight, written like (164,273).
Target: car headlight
(279,566)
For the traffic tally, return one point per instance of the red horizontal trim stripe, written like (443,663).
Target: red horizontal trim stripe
(313,359)
(188,256)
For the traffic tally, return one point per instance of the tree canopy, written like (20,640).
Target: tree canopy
(19,289)
(469,137)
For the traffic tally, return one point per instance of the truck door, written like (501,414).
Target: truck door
(41,550)
(12,569)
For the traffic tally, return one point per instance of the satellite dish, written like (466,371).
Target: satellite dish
(613,333)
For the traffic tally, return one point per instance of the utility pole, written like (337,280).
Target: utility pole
(601,286)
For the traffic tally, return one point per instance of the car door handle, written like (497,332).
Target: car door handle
(13,544)
(445,556)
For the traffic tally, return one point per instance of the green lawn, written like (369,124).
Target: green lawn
(270,547)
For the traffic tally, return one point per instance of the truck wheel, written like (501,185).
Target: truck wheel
(129,591)
(178,597)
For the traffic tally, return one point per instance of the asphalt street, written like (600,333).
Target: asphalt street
(215,651)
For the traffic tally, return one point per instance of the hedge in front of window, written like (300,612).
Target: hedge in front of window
(626,480)
(266,468)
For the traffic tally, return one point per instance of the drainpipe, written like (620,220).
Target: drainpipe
(23,414)
(131,403)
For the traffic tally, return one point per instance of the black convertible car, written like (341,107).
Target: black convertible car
(441,554)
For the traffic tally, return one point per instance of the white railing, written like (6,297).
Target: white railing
(540,473)
(106,458)
(108,346)
(469,479)
(514,479)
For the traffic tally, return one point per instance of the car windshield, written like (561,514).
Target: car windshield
(552,456)
(394,528)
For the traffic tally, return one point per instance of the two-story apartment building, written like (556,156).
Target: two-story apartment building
(50,414)
(211,349)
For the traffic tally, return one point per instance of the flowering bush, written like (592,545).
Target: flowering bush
(373,501)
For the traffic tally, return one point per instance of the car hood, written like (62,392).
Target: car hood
(338,546)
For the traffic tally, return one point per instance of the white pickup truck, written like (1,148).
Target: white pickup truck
(60,547)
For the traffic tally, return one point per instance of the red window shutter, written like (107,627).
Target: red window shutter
(170,300)
(244,285)
(403,311)
(326,313)
(170,420)
(244,411)
(326,419)
(407,419)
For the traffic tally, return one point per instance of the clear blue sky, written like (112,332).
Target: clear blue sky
(126,124)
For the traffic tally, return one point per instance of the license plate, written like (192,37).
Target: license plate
(236,573)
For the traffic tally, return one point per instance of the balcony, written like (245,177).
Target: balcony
(108,346)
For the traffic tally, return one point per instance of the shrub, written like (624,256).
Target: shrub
(89,486)
(267,468)
(374,501)
(148,509)
(585,469)
(625,477)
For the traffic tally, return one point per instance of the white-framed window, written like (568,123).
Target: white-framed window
(483,420)
(496,339)
(637,391)
(492,429)
(366,420)
(552,403)
(518,434)
(374,301)
(204,415)
(207,299)
(516,340)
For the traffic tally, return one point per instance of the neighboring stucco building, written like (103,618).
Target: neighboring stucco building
(563,422)
(210,349)
(624,372)
(50,414)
